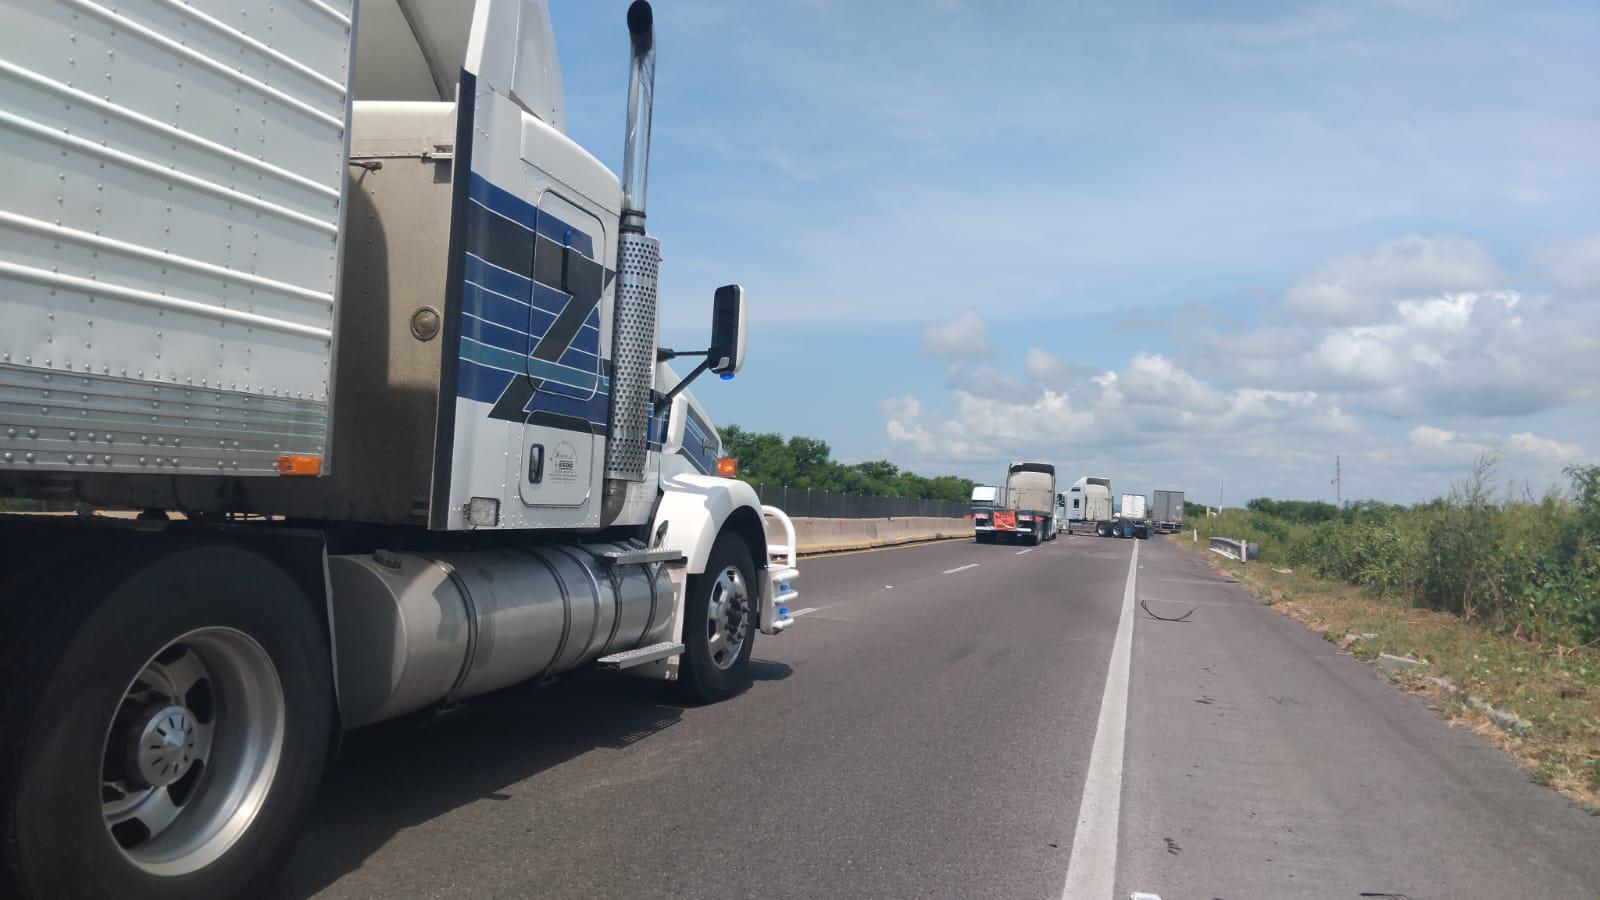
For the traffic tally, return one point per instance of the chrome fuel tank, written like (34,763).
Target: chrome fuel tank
(415,628)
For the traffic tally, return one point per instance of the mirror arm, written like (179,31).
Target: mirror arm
(663,354)
(678,388)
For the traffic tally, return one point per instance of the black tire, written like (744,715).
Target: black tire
(983,538)
(701,679)
(54,839)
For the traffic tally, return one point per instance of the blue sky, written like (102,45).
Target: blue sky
(1173,243)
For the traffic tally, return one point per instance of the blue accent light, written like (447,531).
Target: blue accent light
(727,376)
(783,610)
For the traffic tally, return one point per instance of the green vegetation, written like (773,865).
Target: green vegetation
(1528,566)
(767,458)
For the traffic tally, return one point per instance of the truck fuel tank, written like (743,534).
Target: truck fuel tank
(415,628)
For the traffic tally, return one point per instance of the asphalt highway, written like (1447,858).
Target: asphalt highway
(948,720)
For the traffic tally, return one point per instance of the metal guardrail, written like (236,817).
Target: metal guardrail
(1234,548)
(828,505)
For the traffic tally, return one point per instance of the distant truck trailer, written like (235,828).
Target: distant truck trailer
(1168,512)
(1025,510)
(1134,506)
(1132,518)
(988,495)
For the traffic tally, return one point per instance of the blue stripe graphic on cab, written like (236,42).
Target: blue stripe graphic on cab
(521,364)
(485,384)
(480,383)
(527,215)
(493,278)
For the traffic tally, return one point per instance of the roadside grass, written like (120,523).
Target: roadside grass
(1555,689)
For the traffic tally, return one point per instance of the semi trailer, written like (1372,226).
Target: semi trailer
(1132,518)
(323,296)
(1168,512)
(1025,510)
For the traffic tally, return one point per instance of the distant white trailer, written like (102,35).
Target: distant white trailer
(1133,506)
(988,495)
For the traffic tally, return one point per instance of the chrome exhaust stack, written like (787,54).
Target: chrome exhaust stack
(641,102)
(634,334)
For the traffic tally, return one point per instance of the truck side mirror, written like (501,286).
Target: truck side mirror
(726,355)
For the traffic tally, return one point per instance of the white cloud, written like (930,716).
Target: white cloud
(1548,449)
(1047,368)
(902,419)
(1361,288)
(1430,438)
(1429,376)
(965,337)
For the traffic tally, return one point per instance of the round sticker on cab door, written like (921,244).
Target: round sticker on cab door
(563,467)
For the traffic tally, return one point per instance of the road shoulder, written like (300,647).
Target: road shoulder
(1263,761)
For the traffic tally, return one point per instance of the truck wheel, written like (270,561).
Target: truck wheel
(172,739)
(718,624)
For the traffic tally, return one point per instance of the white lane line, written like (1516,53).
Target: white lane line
(1029,550)
(1092,867)
(802,612)
(960,569)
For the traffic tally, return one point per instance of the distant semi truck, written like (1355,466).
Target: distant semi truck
(1025,510)
(1168,512)
(1089,504)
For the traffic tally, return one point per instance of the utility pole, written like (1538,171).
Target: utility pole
(1221,482)
(1338,481)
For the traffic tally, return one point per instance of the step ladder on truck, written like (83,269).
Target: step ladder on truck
(346,355)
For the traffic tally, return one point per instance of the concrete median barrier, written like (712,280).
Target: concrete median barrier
(819,535)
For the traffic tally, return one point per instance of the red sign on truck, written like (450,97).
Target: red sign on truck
(1005,520)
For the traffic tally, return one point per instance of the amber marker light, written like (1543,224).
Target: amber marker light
(299,464)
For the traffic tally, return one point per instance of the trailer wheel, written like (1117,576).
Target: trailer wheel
(172,744)
(719,622)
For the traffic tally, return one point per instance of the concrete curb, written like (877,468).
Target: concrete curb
(1507,722)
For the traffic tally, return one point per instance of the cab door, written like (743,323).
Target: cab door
(567,409)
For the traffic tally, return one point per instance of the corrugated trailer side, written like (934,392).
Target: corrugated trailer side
(170,226)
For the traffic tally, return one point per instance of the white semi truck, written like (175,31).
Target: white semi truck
(326,293)
(1089,504)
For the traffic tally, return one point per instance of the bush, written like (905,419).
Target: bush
(1529,566)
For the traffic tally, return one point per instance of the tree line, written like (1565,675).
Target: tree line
(804,462)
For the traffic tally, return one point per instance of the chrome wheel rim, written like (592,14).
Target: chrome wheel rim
(728,617)
(191,752)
